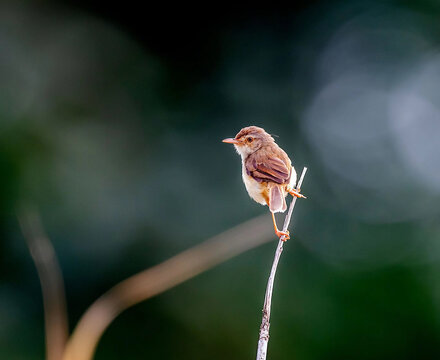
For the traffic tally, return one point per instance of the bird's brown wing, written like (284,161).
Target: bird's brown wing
(270,165)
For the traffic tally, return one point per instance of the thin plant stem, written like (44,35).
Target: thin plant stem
(51,280)
(263,339)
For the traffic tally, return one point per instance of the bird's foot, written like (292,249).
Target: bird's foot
(283,233)
(295,192)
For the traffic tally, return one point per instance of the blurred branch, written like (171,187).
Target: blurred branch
(265,323)
(159,278)
(51,279)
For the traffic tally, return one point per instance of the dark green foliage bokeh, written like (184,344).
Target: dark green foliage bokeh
(113,131)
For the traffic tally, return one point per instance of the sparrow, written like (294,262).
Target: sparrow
(267,171)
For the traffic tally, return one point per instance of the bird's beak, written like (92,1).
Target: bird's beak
(231,141)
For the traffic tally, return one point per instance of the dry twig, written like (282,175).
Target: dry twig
(265,323)
(52,285)
(159,278)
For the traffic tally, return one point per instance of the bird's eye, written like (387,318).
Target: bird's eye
(250,139)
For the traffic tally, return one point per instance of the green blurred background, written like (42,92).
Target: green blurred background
(111,118)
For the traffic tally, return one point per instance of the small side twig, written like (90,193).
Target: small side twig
(51,279)
(265,323)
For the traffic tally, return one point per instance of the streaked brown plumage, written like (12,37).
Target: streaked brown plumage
(267,171)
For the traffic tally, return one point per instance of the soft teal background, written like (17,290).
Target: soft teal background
(115,137)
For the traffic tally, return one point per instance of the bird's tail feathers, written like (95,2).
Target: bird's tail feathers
(277,201)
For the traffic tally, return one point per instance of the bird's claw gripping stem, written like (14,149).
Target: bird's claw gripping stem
(280,234)
(295,192)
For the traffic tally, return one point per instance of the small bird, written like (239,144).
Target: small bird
(267,171)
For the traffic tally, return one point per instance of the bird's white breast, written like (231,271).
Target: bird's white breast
(253,187)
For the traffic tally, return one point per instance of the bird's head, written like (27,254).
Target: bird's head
(250,139)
